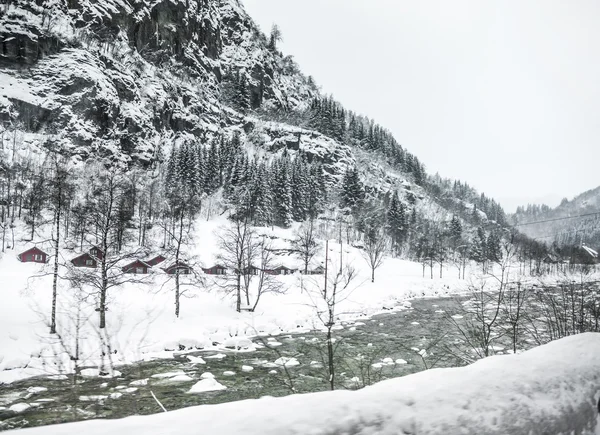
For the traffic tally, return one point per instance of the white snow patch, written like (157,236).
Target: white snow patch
(168,374)
(206,385)
(36,390)
(19,407)
(195,359)
(217,356)
(287,362)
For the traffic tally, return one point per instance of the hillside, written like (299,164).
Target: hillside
(128,81)
(572,223)
(176,127)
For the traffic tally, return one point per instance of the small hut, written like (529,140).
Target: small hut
(33,255)
(217,269)
(138,267)
(319,270)
(85,260)
(283,270)
(179,268)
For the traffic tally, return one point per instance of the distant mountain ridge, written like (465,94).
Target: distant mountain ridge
(573,222)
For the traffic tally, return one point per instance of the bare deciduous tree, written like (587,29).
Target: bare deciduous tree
(235,245)
(376,247)
(477,322)
(60,192)
(266,282)
(305,243)
(325,297)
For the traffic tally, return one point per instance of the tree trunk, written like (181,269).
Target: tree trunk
(32,224)
(177,293)
(103,291)
(56,252)
(330,355)
(238,302)
(177,252)
(326,268)
(431,267)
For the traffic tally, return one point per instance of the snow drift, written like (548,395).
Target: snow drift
(552,389)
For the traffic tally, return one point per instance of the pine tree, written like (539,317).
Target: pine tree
(479,251)
(316,190)
(352,195)
(299,186)
(494,251)
(282,192)
(262,196)
(455,232)
(397,221)
(274,37)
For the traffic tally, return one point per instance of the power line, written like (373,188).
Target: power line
(558,219)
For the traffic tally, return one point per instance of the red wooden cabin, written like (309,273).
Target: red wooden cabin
(137,267)
(33,255)
(156,260)
(319,270)
(179,268)
(217,269)
(85,260)
(282,270)
(250,270)
(95,251)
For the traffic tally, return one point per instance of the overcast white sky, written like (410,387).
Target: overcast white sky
(502,94)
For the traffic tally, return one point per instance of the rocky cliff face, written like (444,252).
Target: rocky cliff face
(122,78)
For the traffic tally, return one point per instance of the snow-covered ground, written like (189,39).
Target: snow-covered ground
(141,321)
(552,389)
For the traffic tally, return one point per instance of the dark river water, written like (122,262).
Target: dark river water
(367,350)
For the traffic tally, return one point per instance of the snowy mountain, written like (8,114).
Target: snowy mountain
(575,222)
(128,80)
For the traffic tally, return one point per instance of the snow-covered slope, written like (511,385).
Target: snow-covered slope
(552,389)
(142,325)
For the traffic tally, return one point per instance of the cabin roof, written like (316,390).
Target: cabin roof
(84,255)
(133,263)
(32,250)
(178,264)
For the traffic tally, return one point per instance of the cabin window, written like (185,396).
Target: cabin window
(89,262)
(38,257)
(139,270)
(28,258)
